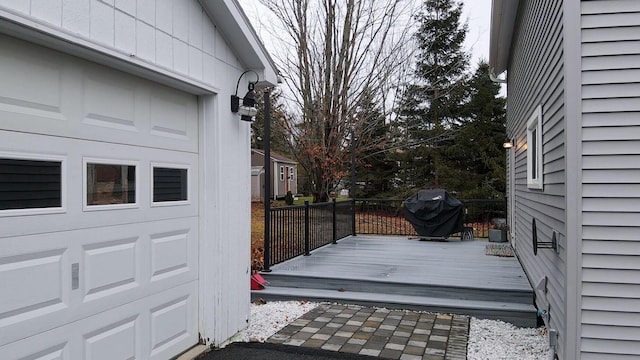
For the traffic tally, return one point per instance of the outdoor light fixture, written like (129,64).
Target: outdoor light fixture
(247,109)
(508,144)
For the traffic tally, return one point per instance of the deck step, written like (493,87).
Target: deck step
(516,313)
(507,295)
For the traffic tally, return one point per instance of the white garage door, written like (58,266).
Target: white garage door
(98,211)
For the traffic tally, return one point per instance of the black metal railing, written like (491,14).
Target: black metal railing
(298,230)
(384,216)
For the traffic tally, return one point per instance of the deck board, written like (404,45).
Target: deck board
(401,260)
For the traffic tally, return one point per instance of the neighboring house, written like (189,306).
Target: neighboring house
(284,174)
(573,111)
(121,166)
(257,183)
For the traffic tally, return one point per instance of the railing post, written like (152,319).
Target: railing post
(306,228)
(267,182)
(333,225)
(353,216)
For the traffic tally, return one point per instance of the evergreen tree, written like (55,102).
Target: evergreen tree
(430,110)
(478,146)
(375,171)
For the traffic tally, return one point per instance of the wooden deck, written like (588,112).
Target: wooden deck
(396,272)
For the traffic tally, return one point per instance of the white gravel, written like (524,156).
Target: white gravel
(491,339)
(488,339)
(267,319)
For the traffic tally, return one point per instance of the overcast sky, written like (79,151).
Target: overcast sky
(476,12)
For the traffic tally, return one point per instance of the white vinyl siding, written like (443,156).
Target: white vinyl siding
(535,76)
(611,179)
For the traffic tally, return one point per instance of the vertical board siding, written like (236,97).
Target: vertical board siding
(536,78)
(175,35)
(611,179)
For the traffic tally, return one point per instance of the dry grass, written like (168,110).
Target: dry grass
(257,236)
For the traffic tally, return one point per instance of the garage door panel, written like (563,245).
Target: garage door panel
(101,95)
(102,278)
(170,254)
(58,352)
(41,87)
(170,324)
(75,216)
(124,332)
(115,265)
(30,86)
(115,341)
(170,115)
(37,278)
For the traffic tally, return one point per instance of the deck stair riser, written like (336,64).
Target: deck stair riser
(518,314)
(411,289)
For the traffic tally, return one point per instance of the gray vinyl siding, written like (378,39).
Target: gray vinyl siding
(611,179)
(535,78)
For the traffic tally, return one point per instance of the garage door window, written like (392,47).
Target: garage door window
(110,184)
(169,185)
(31,186)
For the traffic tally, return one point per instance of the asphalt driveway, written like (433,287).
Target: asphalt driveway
(267,351)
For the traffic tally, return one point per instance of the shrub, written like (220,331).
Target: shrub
(288,199)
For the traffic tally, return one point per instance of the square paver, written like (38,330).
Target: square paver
(337,340)
(421,344)
(437,338)
(393,346)
(351,348)
(331,347)
(357,341)
(309,329)
(370,352)
(414,350)
(294,342)
(313,343)
(406,356)
(402,334)
(344,334)
(324,337)
(390,354)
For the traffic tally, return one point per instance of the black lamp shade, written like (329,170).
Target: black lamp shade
(249,99)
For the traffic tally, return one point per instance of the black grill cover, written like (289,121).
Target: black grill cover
(434,213)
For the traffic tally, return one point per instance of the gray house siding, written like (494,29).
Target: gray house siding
(536,78)
(611,179)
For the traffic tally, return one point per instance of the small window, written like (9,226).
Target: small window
(30,184)
(110,184)
(534,150)
(169,184)
(291,173)
(281,173)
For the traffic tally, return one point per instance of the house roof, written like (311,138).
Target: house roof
(276,157)
(503,18)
